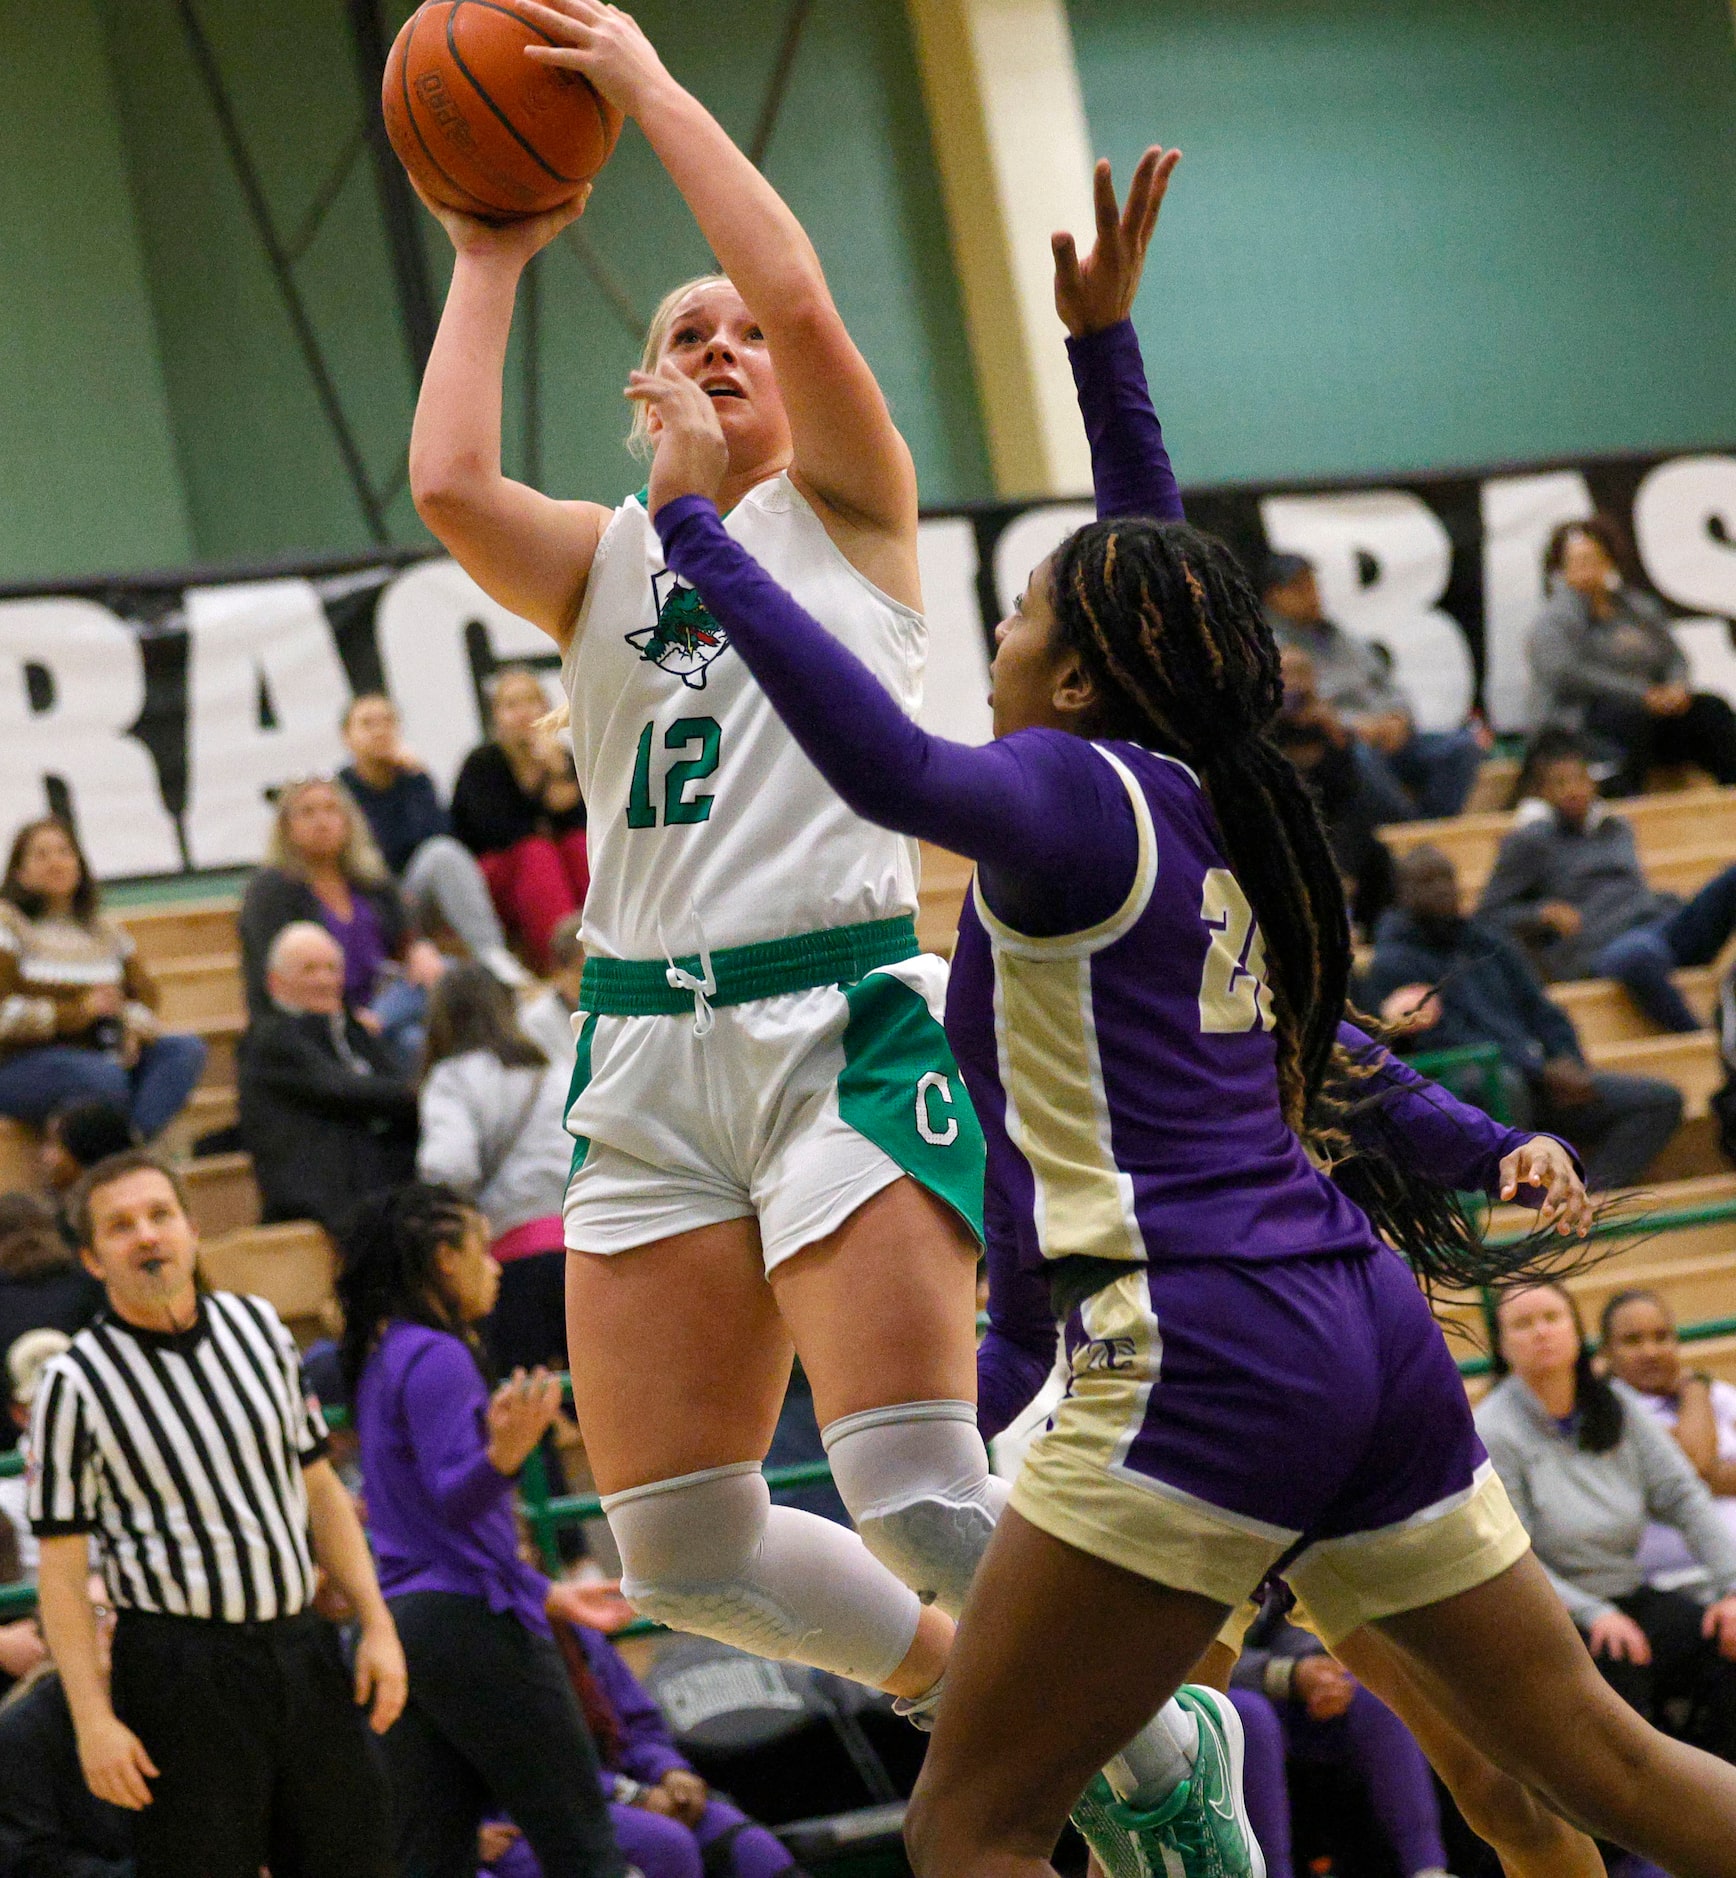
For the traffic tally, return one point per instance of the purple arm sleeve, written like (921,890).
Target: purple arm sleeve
(1130,468)
(1040,810)
(1439,1135)
(1018,1350)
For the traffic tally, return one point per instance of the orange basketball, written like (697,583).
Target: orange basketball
(478,125)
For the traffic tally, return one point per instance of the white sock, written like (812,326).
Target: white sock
(1158,1759)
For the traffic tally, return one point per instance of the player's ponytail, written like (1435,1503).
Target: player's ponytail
(1174,636)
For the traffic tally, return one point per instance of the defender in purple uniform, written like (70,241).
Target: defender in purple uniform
(1255,1377)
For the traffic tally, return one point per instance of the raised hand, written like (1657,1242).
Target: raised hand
(514,241)
(692,453)
(1099,291)
(608,46)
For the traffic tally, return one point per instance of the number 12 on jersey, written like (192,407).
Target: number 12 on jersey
(1234,995)
(702,738)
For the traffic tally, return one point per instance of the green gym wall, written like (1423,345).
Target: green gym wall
(1429,233)
(1420,234)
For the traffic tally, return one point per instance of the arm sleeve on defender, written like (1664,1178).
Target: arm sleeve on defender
(1427,1128)
(1053,834)
(1040,810)
(1130,468)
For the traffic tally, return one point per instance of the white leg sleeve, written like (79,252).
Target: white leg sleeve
(916,1480)
(709,1553)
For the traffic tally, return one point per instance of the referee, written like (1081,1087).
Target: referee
(174,1432)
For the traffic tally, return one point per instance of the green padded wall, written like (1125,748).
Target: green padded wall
(88,478)
(262,474)
(1442,232)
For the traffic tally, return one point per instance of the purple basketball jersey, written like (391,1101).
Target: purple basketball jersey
(1126,1076)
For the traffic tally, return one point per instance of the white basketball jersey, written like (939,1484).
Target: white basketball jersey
(704,816)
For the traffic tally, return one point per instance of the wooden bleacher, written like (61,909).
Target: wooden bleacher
(292,1267)
(1692,1267)
(1684,837)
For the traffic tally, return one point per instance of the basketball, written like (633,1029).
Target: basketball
(480,127)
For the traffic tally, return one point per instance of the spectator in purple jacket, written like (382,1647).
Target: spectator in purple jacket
(667,1821)
(493,1725)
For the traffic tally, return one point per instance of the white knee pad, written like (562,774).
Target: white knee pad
(916,1480)
(709,1553)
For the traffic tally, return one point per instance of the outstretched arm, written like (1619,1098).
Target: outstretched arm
(1130,469)
(1431,1132)
(848,452)
(1041,805)
(526,550)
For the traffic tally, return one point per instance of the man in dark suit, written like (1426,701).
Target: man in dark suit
(325,1112)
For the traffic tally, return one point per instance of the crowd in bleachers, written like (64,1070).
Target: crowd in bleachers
(375,1049)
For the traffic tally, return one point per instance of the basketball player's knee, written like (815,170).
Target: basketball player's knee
(687,1550)
(1502,1810)
(916,1481)
(709,1553)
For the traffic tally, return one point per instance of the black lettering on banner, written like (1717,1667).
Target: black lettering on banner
(136,706)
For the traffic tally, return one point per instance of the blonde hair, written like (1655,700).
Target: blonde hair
(639,439)
(360,860)
(553,720)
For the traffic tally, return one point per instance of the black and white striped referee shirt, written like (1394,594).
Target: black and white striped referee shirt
(182,1453)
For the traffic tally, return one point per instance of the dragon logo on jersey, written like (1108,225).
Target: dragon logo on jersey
(686,639)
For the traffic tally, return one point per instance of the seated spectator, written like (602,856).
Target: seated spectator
(1604,661)
(78,1009)
(73,1140)
(493,1114)
(50,1821)
(1406,772)
(28,1357)
(1300,1705)
(436,873)
(42,1284)
(547,1019)
(1317,741)
(516,806)
(1448,981)
(321,865)
(668,1823)
(1585,1466)
(1568,882)
(326,1112)
(492,1722)
(1640,1347)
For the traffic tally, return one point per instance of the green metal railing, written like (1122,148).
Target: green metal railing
(1472,1071)
(546,1513)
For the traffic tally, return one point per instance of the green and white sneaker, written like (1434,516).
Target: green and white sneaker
(1201,1831)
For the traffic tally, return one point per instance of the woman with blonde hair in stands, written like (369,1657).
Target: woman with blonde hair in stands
(516,806)
(321,865)
(78,1006)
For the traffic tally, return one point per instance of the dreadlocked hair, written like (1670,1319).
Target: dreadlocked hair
(1172,632)
(387,1268)
(1176,641)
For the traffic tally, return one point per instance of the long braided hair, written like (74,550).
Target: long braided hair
(387,1268)
(1173,635)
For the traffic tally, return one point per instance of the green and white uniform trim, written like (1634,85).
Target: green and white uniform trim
(793,1108)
